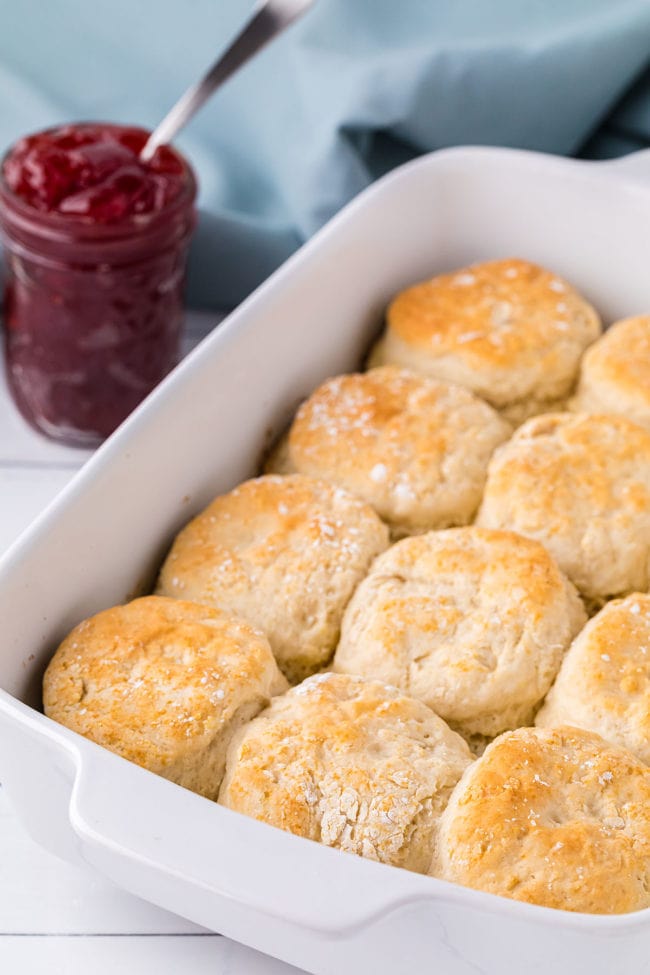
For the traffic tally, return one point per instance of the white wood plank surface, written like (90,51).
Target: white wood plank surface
(134,955)
(55,918)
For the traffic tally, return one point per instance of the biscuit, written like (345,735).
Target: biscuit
(508,330)
(615,373)
(604,682)
(349,763)
(285,553)
(473,622)
(555,817)
(415,449)
(579,484)
(164,684)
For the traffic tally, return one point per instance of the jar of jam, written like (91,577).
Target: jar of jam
(95,244)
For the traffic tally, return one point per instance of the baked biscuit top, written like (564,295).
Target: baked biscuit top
(414,448)
(508,329)
(553,817)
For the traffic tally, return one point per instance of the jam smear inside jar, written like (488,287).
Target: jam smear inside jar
(96,245)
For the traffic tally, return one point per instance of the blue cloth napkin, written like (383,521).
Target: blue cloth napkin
(355,88)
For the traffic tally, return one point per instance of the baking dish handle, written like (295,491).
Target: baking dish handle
(131,831)
(635,166)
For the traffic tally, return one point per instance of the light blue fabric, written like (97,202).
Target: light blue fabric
(355,88)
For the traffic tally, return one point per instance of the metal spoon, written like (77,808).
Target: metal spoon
(269,19)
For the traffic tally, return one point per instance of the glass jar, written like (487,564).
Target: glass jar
(93,307)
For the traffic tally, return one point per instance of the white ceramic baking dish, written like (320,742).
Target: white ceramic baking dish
(200,433)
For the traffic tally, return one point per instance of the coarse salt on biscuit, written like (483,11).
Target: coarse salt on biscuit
(413,448)
(284,553)
(604,682)
(509,330)
(555,817)
(164,683)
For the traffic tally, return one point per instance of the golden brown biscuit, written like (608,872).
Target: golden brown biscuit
(579,484)
(163,683)
(508,330)
(615,373)
(473,622)
(604,681)
(553,817)
(415,449)
(350,763)
(284,553)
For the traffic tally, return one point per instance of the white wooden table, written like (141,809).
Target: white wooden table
(54,918)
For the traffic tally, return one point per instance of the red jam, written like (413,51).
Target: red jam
(93,171)
(96,245)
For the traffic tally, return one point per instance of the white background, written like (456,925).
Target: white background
(54,918)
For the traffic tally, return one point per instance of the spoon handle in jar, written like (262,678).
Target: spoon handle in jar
(267,21)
